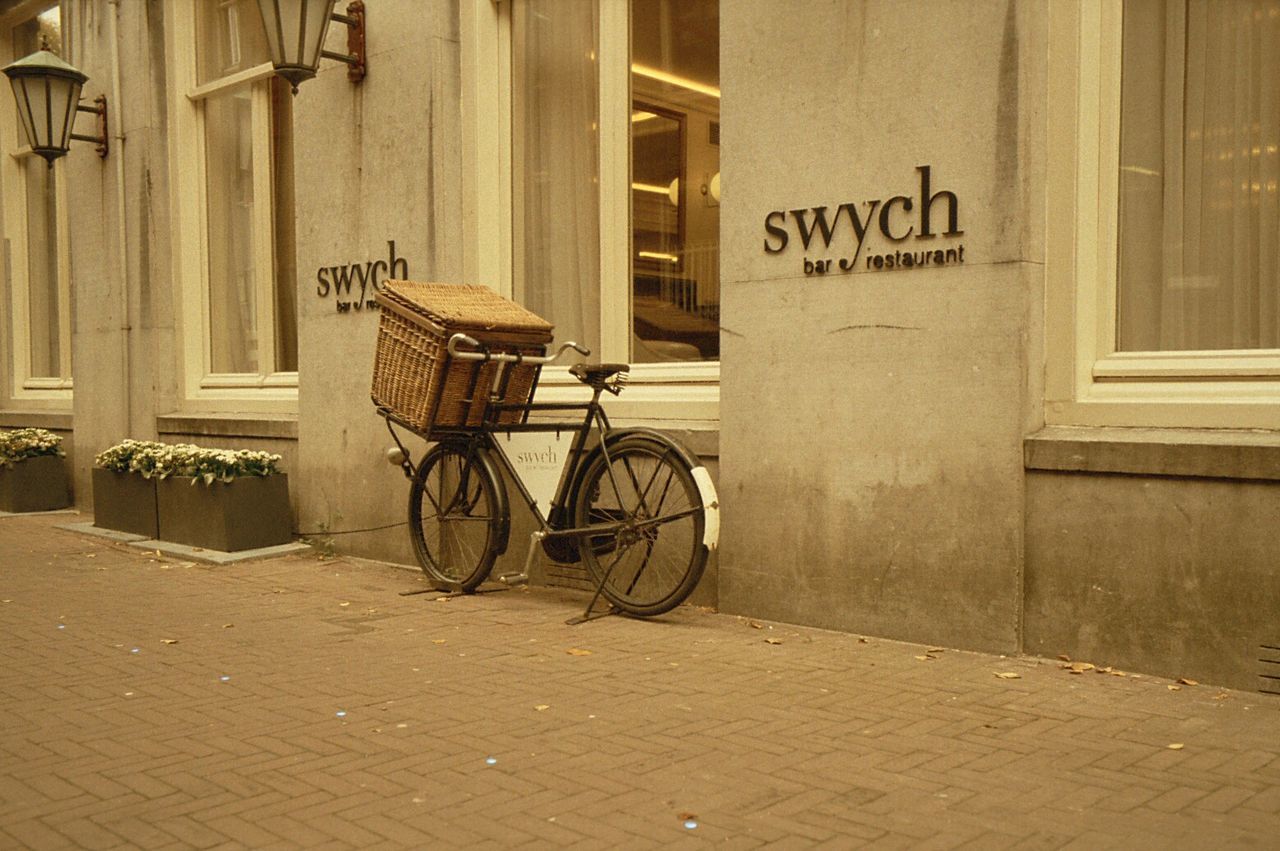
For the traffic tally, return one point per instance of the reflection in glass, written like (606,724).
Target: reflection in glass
(229,38)
(42,268)
(286,261)
(233,331)
(42,32)
(675,148)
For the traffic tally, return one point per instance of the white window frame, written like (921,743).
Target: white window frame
(685,394)
(1087,381)
(203,389)
(43,391)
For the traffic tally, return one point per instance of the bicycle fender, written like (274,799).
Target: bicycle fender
(711,505)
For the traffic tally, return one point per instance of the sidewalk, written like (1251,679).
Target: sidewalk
(151,702)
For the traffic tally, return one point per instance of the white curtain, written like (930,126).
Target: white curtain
(556,165)
(1200,163)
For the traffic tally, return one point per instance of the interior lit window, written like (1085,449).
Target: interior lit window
(664,305)
(675,174)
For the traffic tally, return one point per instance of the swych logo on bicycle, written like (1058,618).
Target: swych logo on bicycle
(635,507)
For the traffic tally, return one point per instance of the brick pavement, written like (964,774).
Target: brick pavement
(302,702)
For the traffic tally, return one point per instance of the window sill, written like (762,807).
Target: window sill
(274,426)
(55,420)
(1203,453)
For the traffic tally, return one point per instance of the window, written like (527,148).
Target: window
(234,187)
(603,145)
(1164,214)
(35,230)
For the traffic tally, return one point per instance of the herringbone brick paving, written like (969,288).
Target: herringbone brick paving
(153,703)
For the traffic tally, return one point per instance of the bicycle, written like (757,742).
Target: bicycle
(632,504)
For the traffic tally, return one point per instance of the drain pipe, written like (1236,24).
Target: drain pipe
(117,148)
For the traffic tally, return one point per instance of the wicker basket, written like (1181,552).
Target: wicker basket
(414,376)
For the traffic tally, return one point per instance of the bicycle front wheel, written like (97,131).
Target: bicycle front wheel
(456,516)
(653,557)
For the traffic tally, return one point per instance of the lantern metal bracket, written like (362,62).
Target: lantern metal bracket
(100,110)
(355,58)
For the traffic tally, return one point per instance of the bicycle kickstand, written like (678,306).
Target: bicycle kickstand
(590,613)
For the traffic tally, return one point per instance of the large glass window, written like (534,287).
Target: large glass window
(675,180)
(1163,214)
(244,131)
(663,305)
(40,310)
(1199,220)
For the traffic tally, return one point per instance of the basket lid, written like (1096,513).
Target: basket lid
(461,305)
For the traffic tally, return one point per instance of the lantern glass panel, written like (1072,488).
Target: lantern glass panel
(317,26)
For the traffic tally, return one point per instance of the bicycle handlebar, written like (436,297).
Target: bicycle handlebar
(502,357)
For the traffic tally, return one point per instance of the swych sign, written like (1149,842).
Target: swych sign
(899,232)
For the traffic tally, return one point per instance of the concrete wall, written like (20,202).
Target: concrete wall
(1174,576)
(124,360)
(374,163)
(872,421)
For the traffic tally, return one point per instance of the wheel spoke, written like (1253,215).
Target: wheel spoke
(453,518)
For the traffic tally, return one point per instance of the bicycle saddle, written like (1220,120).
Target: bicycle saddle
(597,373)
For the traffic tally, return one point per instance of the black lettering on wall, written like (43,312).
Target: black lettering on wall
(777,231)
(887,210)
(926,201)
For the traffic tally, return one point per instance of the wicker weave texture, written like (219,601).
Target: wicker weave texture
(413,374)
(464,306)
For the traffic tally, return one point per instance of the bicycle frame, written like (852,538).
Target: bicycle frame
(486,435)
(553,524)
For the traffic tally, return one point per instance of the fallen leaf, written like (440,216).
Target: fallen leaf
(1078,667)
(578,651)
(1176,746)
(1222,695)
(437,641)
(1187,682)
(755,625)
(6,601)
(168,641)
(924,658)
(687,816)
(542,707)
(1064,657)
(344,604)
(1105,670)
(1175,688)
(227,625)
(864,641)
(936,650)
(773,641)
(1118,674)
(1008,675)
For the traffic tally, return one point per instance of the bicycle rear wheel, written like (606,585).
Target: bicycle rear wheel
(655,558)
(457,514)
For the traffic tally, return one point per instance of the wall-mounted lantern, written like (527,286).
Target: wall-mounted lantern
(47,90)
(296,31)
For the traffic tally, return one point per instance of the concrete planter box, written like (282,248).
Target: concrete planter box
(243,514)
(34,484)
(125,502)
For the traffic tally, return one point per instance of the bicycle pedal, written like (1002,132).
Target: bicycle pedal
(513,579)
